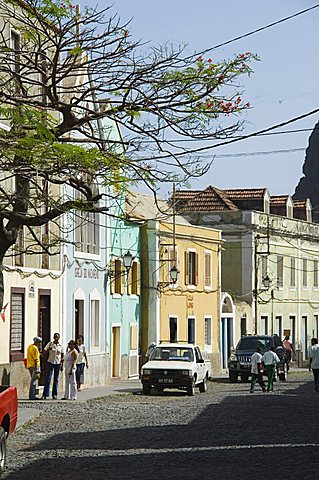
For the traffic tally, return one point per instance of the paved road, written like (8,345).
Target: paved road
(226,433)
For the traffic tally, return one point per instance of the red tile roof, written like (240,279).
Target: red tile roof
(210,199)
(245,193)
(279,200)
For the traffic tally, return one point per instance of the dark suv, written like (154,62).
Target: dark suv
(239,362)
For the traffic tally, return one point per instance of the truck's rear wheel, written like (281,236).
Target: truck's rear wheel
(203,386)
(3,450)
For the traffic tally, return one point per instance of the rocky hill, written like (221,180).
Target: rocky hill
(308,186)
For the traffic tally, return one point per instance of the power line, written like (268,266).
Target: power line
(248,154)
(256,31)
(184,140)
(243,137)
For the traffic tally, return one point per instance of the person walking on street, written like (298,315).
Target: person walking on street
(314,361)
(289,349)
(70,359)
(270,360)
(33,365)
(82,360)
(55,353)
(256,371)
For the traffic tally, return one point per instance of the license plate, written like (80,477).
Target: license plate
(245,364)
(165,380)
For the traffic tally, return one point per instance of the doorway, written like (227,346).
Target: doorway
(78,317)
(226,339)
(44,325)
(304,337)
(116,351)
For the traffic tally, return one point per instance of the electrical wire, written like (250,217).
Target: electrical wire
(257,30)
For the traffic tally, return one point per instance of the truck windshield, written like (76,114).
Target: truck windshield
(251,343)
(173,353)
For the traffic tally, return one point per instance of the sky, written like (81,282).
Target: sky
(284,84)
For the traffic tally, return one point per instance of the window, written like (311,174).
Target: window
(243,326)
(95,323)
(208,269)
(173,329)
(263,325)
(280,270)
(315,326)
(278,326)
(208,330)
(315,273)
(19,249)
(292,320)
(134,279)
(191,268)
(118,273)
(304,272)
(191,330)
(292,272)
(17,324)
(264,267)
(87,231)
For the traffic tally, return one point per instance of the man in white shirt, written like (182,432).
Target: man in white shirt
(314,361)
(256,371)
(270,359)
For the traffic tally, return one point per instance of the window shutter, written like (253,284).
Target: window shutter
(138,278)
(123,279)
(130,286)
(196,268)
(111,278)
(186,267)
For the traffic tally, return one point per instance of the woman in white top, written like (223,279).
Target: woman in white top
(70,359)
(81,361)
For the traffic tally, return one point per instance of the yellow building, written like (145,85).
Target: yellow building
(187,309)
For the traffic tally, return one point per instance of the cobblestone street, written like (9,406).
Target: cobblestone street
(227,433)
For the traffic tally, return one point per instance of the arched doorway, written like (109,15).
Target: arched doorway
(227,317)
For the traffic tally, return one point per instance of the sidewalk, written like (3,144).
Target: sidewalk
(116,387)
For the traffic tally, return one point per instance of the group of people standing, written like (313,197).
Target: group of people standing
(268,361)
(73,362)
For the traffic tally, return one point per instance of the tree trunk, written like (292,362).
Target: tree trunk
(1,283)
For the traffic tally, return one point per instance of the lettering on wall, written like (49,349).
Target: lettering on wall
(86,273)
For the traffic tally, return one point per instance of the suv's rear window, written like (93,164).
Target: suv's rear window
(251,343)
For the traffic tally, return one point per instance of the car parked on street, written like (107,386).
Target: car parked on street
(239,362)
(8,419)
(176,365)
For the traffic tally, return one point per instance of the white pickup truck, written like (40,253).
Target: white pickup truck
(176,365)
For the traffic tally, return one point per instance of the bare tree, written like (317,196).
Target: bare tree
(65,78)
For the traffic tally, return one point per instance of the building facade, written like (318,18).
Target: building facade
(187,308)
(269,261)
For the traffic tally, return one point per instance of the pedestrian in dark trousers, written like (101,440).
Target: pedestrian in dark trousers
(256,371)
(54,352)
(270,360)
(314,361)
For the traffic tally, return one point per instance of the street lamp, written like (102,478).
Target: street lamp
(128,260)
(266,282)
(173,273)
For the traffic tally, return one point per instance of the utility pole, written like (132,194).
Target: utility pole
(255,291)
